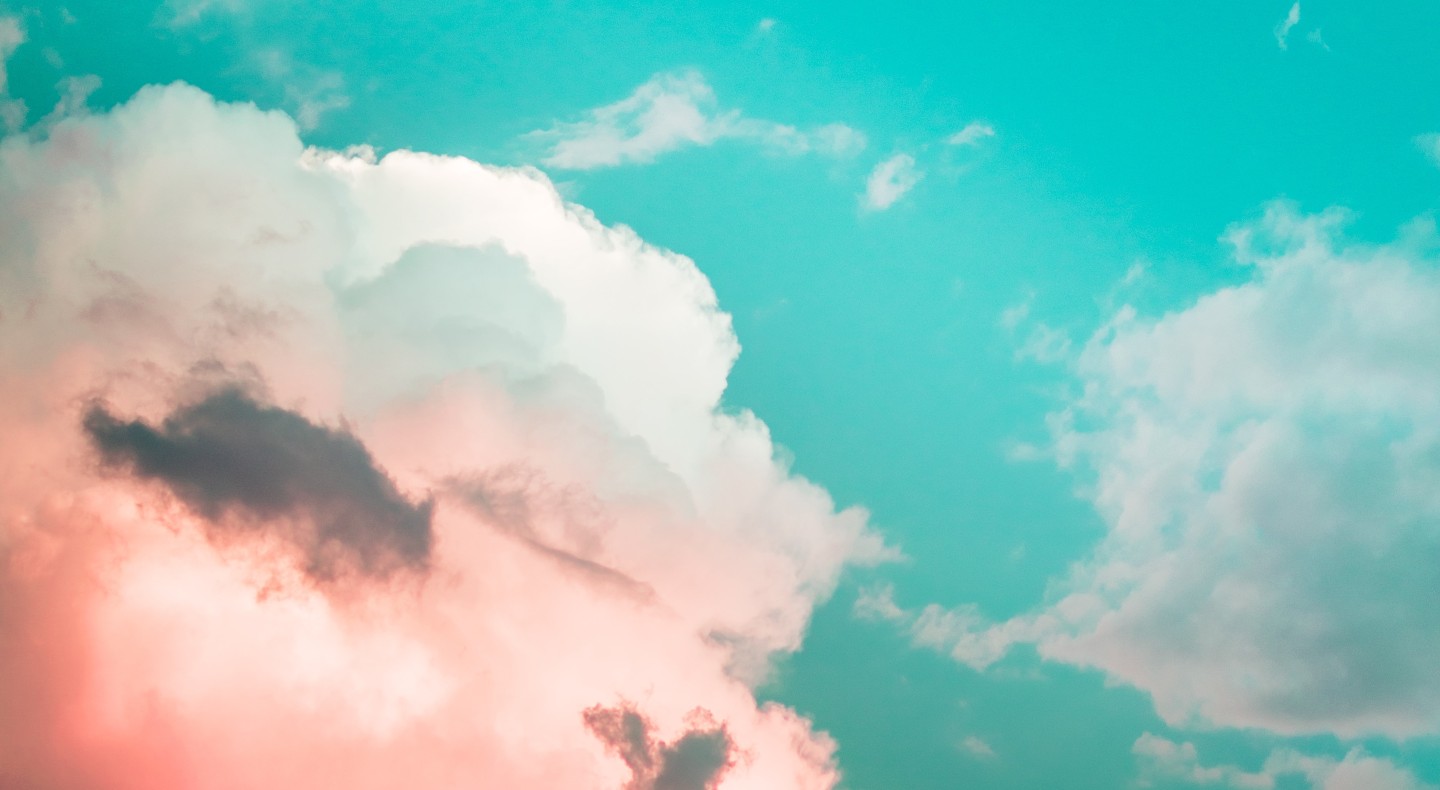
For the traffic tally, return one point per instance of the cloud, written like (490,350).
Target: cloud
(1282,30)
(889,182)
(246,467)
(696,760)
(75,93)
(12,111)
(976,746)
(1430,145)
(186,13)
(1355,771)
(310,92)
(973,134)
(1161,758)
(1164,759)
(230,364)
(671,111)
(12,35)
(1042,343)
(1266,460)
(766,25)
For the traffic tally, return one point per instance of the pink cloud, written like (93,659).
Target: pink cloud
(453,349)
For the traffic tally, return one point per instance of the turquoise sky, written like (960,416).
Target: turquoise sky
(911,356)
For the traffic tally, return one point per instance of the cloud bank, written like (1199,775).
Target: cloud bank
(1267,460)
(324,471)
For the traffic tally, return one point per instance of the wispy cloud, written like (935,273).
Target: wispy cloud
(677,110)
(178,14)
(1430,144)
(1282,31)
(978,747)
(311,92)
(973,134)
(889,182)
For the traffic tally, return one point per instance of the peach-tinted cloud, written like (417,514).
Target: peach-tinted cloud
(472,480)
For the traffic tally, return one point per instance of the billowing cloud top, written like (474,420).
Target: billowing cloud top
(236,372)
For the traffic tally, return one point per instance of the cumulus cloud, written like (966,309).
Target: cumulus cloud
(1163,759)
(671,111)
(1282,30)
(890,181)
(1266,459)
(234,370)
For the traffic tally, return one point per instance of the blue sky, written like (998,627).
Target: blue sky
(1049,290)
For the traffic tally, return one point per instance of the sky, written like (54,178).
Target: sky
(719,396)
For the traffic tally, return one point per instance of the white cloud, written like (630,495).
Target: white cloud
(12,111)
(1267,460)
(1016,314)
(889,182)
(1163,759)
(310,92)
(1355,771)
(765,25)
(185,13)
(74,93)
(1043,343)
(12,114)
(1430,144)
(1282,31)
(12,35)
(672,111)
(976,746)
(973,134)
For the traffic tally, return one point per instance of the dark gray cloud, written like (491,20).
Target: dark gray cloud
(251,468)
(697,760)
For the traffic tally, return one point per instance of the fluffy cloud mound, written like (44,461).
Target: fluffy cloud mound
(321,471)
(1268,462)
